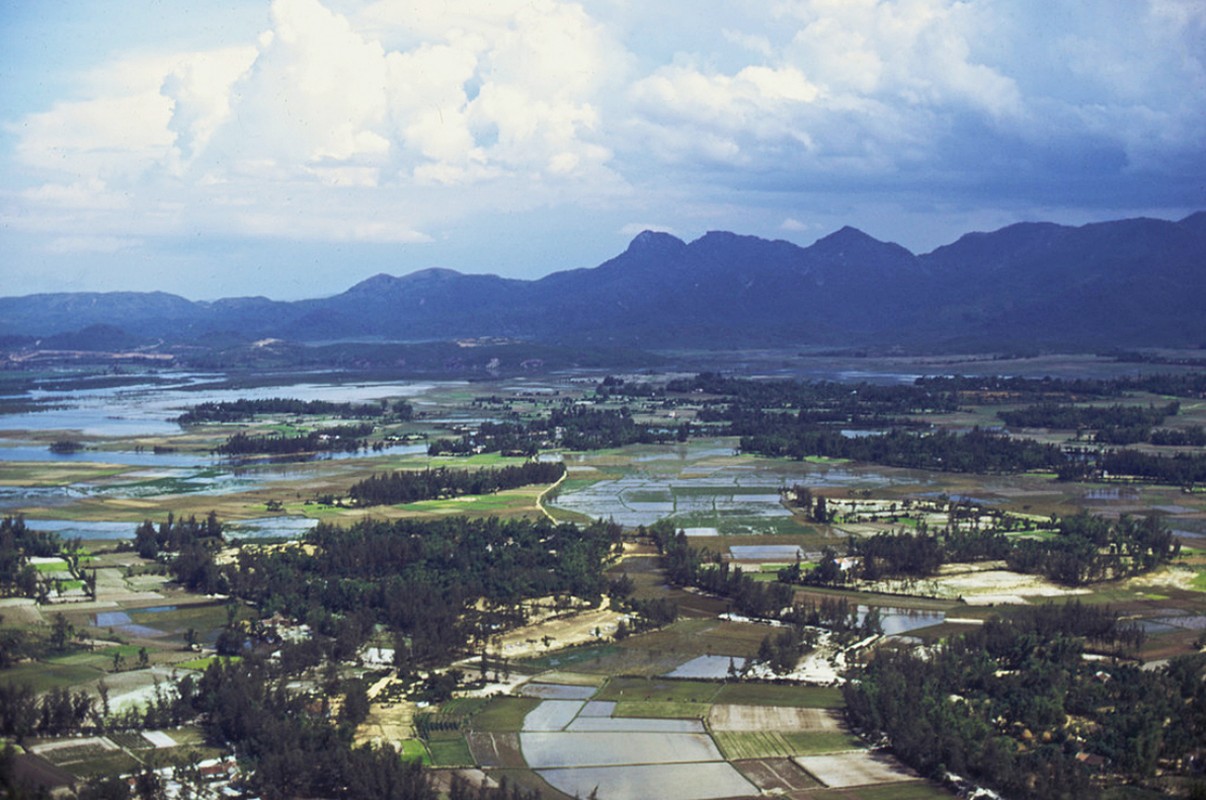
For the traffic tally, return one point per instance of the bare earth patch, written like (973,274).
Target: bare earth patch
(776,775)
(771,718)
(981,584)
(856,768)
(492,749)
(566,629)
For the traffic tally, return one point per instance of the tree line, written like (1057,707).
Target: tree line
(1082,549)
(244,409)
(978,450)
(410,486)
(338,438)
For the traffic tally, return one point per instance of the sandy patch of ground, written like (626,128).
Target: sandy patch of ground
(1173,575)
(978,584)
(771,718)
(856,768)
(570,628)
(387,722)
(21,611)
(823,666)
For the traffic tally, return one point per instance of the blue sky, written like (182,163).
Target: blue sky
(292,148)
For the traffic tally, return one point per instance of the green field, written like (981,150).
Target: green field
(774,744)
(453,752)
(661,709)
(769,694)
(645,690)
(414,750)
(504,714)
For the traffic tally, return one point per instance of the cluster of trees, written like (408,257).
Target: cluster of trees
(978,450)
(575,427)
(1013,704)
(492,437)
(1088,549)
(1084,549)
(1020,386)
(293,745)
(686,566)
(191,545)
(339,438)
(585,428)
(243,409)
(57,712)
(18,543)
(430,484)
(866,398)
(1115,424)
(1182,469)
(1193,436)
(422,580)
(800,419)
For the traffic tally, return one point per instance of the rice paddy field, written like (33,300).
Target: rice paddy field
(654,715)
(630,738)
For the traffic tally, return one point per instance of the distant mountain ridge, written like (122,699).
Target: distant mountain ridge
(1134,282)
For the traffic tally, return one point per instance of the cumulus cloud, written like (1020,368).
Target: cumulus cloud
(400,121)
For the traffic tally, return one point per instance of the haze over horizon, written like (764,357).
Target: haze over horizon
(294,148)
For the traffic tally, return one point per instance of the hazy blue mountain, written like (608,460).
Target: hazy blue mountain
(1125,283)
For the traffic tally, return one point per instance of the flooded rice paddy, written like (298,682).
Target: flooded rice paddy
(704,486)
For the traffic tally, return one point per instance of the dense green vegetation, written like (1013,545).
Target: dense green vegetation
(1116,424)
(410,486)
(1014,703)
(978,451)
(18,543)
(574,427)
(242,410)
(189,546)
(339,438)
(423,580)
(1085,549)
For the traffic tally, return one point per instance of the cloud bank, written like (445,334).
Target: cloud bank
(446,122)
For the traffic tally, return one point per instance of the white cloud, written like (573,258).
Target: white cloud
(397,121)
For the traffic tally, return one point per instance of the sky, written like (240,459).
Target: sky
(292,148)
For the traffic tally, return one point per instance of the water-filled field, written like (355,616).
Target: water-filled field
(705,486)
(664,781)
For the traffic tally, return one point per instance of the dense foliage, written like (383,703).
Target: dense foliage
(976,451)
(340,438)
(423,580)
(189,545)
(18,543)
(1014,703)
(1115,424)
(1081,549)
(410,486)
(243,409)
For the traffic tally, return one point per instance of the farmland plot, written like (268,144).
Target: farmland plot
(855,768)
(557,691)
(776,775)
(708,781)
(494,750)
(772,718)
(546,750)
(634,725)
(552,715)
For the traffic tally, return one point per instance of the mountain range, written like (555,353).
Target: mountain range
(1127,283)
